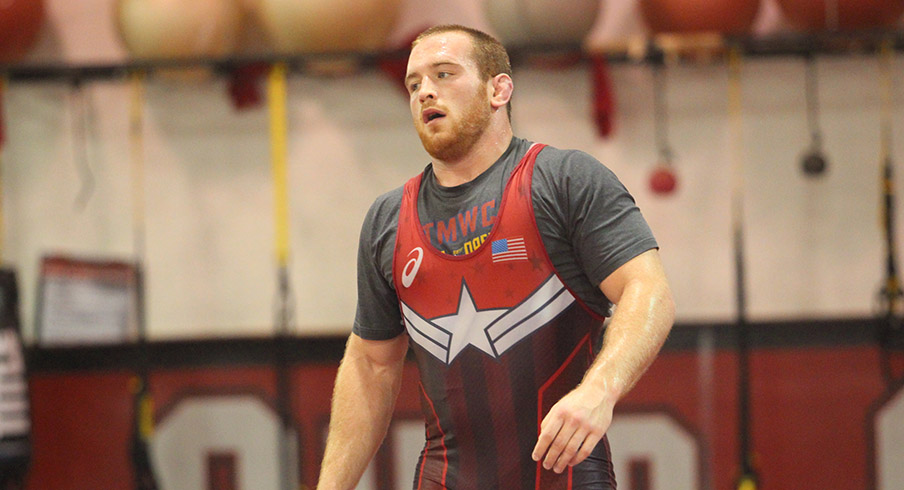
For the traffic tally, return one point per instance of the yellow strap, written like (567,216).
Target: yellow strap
(886,57)
(735,119)
(276,92)
(747,484)
(136,149)
(2,93)
(146,417)
(886,83)
(145,408)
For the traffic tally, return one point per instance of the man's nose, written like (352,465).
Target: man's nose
(427,90)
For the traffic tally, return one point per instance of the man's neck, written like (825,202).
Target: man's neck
(486,151)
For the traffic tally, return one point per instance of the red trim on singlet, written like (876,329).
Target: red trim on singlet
(533,218)
(540,401)
(425,240)
(442,439)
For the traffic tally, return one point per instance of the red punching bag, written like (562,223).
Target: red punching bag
(663,180)
(20,21)
(687,16)
(845,15)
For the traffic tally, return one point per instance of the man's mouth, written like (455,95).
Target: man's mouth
(431,114)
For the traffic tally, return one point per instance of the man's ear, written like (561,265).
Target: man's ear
(502,86)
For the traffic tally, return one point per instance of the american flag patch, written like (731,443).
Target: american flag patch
(509,249)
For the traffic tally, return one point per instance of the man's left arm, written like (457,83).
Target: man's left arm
(643,317)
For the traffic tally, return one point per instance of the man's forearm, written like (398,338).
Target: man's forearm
(642,320)
(633,338)
(363,401)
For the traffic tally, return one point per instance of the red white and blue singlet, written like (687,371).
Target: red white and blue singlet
(498,339)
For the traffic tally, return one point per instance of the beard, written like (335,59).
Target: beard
(454,143)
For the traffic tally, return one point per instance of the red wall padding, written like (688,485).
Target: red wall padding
(810,410)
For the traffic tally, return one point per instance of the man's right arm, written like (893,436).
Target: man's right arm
(364,396)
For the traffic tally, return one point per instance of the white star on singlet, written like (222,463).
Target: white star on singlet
(468,325)
(493,331)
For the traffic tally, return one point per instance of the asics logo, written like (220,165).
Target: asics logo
(412,266)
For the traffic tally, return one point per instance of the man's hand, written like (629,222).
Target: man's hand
(572,428)
(644,316)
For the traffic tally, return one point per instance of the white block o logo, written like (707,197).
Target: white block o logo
(239,426)
(889,425)
(668,451)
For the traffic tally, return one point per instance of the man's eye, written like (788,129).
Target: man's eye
(442,74)
(413,87)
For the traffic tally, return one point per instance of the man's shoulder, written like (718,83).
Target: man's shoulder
(385,208)
(566,167)
(389,199)
(557,159)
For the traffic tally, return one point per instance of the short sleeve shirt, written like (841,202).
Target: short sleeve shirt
(589,223)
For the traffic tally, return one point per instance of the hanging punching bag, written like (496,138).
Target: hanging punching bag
(542,22)
(15,421)
(337,26)
(168,29)
(687,16)
(843,15)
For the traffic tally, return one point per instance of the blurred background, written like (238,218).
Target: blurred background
(183,185)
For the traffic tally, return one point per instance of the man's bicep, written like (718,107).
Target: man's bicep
(582,201)
(646,268)
(390,352)
(377,316)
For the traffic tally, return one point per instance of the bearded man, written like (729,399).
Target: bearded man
(497,266)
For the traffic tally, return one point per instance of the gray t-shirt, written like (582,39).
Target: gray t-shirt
(589,224)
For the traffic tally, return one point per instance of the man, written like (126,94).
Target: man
(497,265)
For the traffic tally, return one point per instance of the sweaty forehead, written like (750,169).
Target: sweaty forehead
(445,47)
